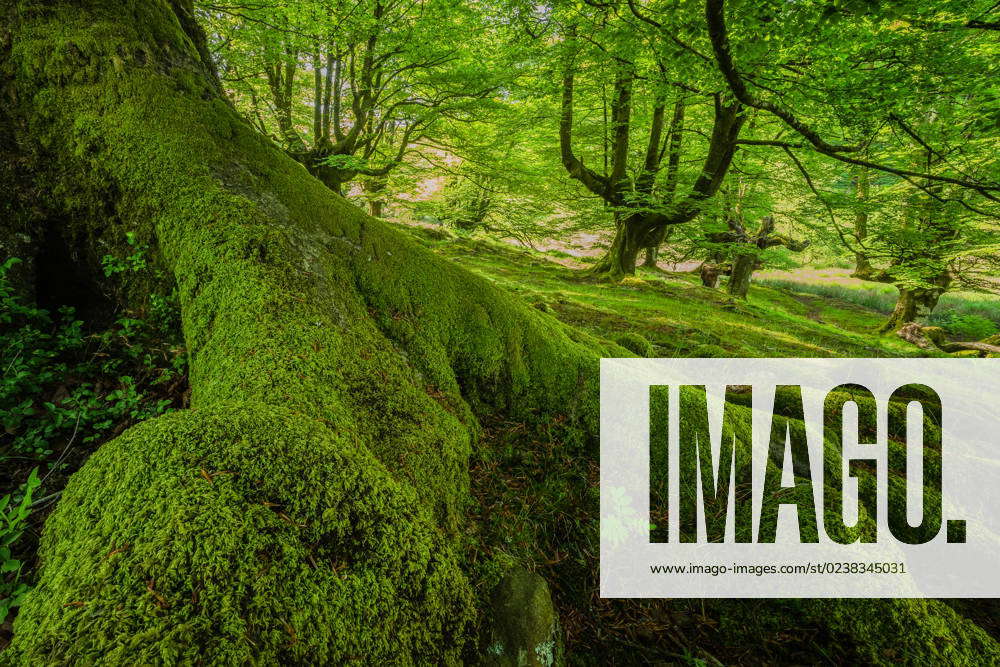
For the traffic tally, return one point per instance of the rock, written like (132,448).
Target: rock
(635,343)
(912,332)
(523,628)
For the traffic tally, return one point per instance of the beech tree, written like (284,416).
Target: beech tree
(640,188)
(307,507)
(784,63)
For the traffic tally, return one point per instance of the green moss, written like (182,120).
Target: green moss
(523,627)
(635,343)
(709,351)
(241,534)
(909,631)
(935,334)
(338,370)
(293,302)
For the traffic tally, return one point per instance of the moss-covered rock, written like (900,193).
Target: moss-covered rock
(708,351)
(632,281)
(635,343)
(522,627)
(936,335)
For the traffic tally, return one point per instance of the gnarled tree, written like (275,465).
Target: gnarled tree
(306,508)
(644,204)
(351,88)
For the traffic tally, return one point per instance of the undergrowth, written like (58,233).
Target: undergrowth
(66,388)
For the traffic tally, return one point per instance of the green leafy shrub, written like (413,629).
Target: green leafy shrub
(60,382)
(966,327)
(13,520)
(134,262)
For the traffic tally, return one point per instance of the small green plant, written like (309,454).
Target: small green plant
(133,263)
(13,521)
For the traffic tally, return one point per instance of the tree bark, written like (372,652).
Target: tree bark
(709,273)
(307,508)
(374,188)
(651,256)
(862,265)
(620,260)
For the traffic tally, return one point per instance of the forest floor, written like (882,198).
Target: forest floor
(679,316)
(535,501)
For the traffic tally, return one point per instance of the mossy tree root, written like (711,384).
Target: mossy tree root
(337,371)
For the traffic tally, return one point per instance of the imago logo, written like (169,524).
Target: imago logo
(800,478)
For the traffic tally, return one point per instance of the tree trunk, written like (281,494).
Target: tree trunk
(621,257)
(739,281)
(332,177)
(911,305)
(709,273)
(307,508)
(862,266)
(651,256)
(374,187)
(653,250)
(631,236)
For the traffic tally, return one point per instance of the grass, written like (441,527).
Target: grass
(679,316)
(879,298)
(882,298)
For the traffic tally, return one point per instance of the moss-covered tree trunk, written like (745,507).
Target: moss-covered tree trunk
(632,233)
(739,279)
(306,508)
(620,259)
(653,250)
(912,304)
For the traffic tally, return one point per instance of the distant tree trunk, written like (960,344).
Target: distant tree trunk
(332,177)
(338,372)
(653,250)
(709,273)
(651,256)
(739,280)
(862,266)
(374,187)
